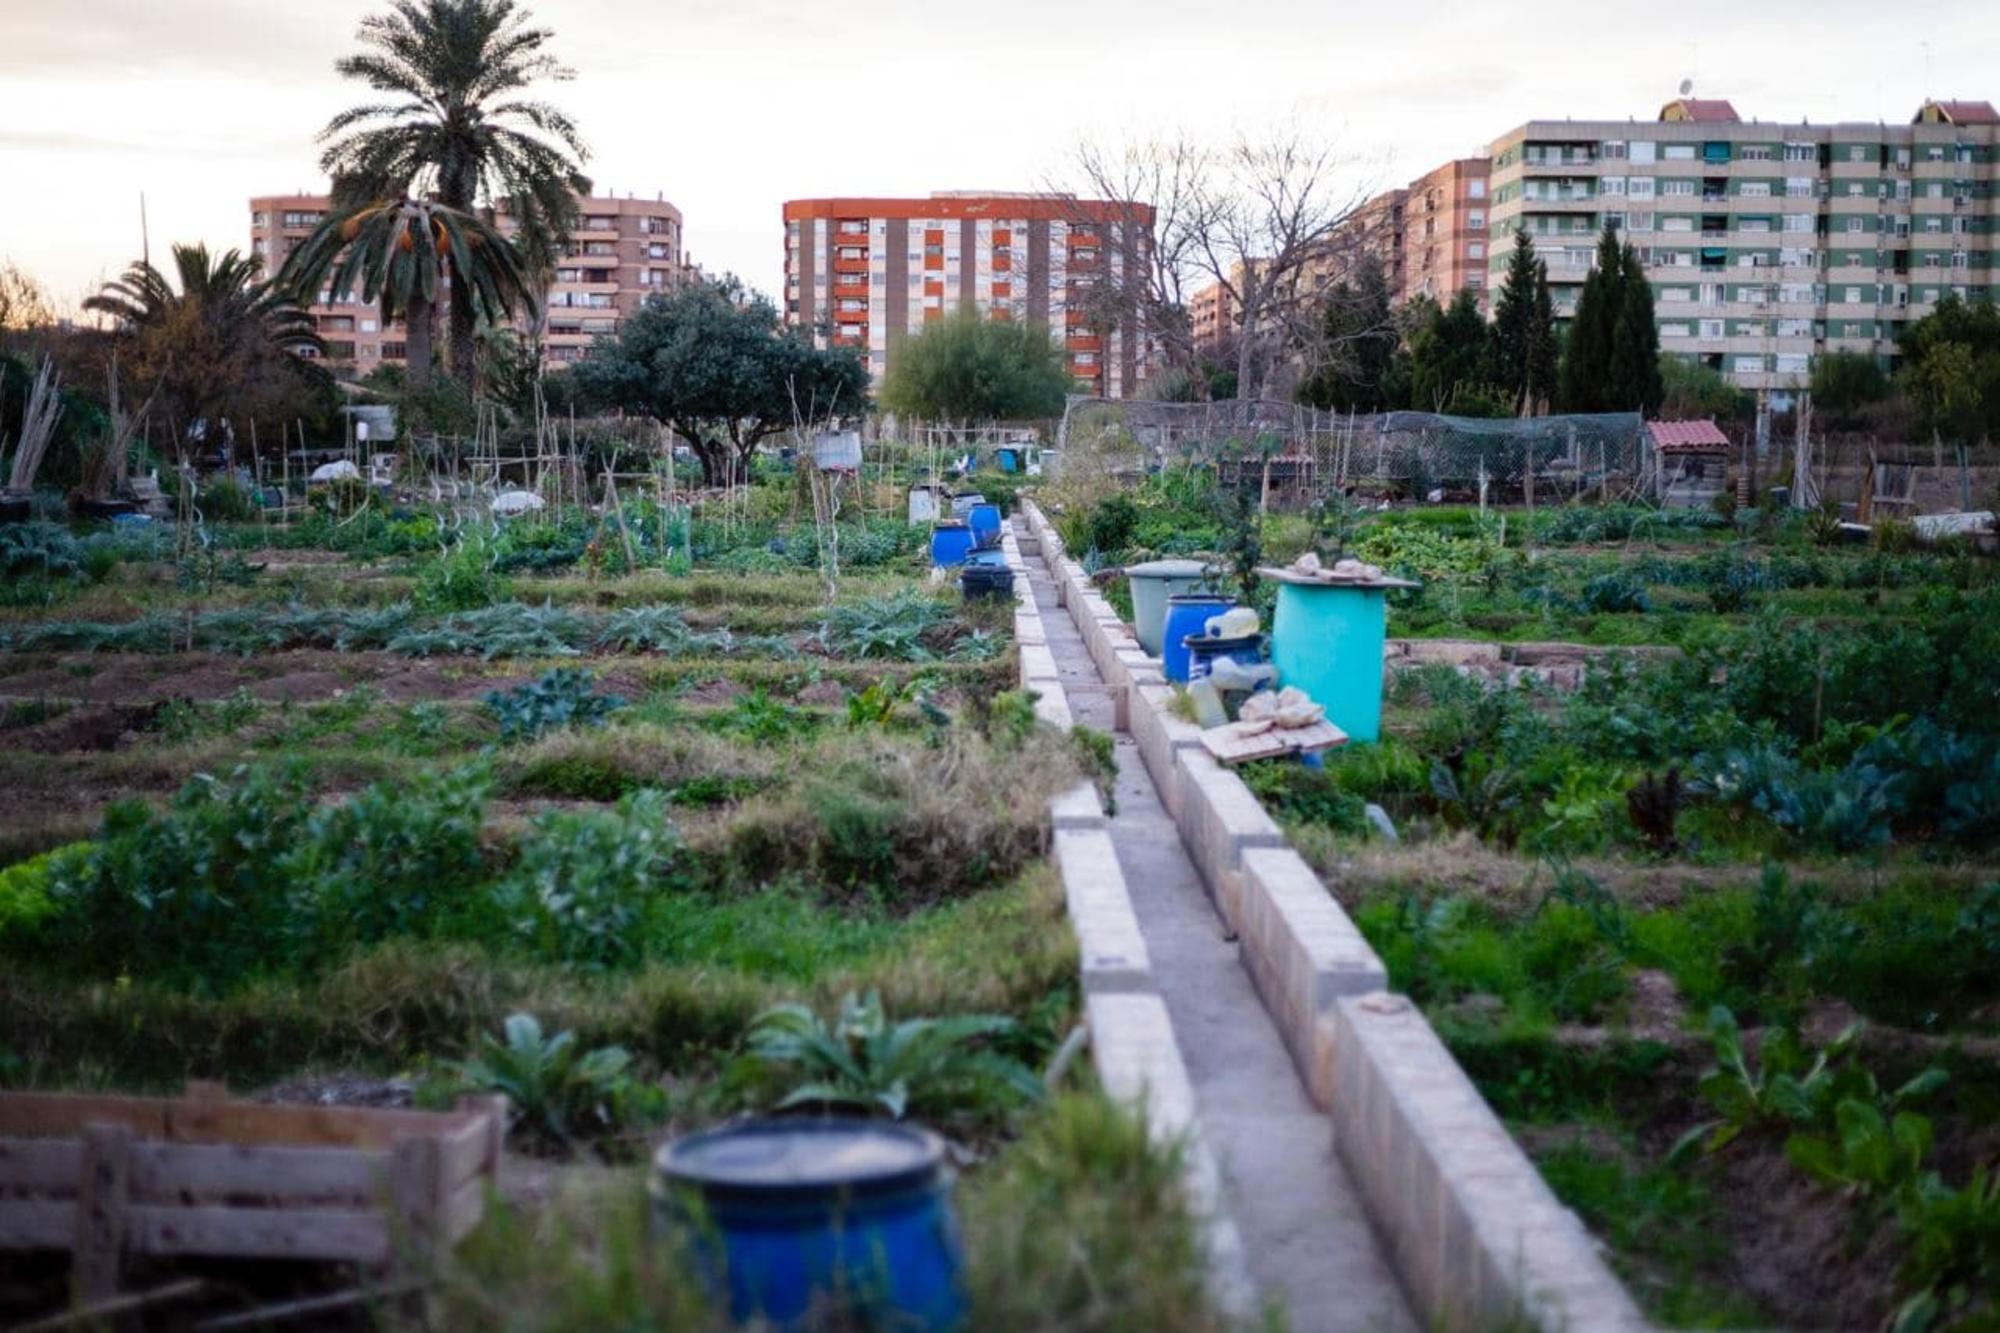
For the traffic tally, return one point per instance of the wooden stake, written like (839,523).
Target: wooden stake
(103,1188)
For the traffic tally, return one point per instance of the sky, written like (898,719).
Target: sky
(730,107)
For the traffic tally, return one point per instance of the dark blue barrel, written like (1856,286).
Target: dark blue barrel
(982,582)
(989,556)
(1203,651)
(1187,613)
(984,520)
(950,544)
(787,1218)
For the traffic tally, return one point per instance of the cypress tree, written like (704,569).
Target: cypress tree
(1586,364)
(1543,346)
(1635,342)
(1448,356)
(1510,340)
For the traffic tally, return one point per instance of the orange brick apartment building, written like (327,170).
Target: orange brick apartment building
(866,272)
(621,251)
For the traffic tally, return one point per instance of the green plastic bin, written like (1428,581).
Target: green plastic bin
(1152,583)
(1326,639)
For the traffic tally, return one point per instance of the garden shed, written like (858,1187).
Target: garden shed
(1690,461)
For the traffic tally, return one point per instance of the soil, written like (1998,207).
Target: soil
(302,676)
(823,693)
(95,729)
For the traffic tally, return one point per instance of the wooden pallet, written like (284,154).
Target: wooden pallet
(106,1177)
(1229,746)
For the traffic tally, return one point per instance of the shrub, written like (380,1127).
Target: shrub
(897,627)
(562,698)
(1614,594)
(557,1092)
(585,879)
(1309,796)
(464,578)
(938,1068)
(1112,524)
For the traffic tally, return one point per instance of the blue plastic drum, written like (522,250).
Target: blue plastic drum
(1188,613)
(787,1218)
(985,522)
(951,543)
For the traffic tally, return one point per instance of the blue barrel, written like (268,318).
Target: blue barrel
(1188,613)
(785,1217)
(950,544)
(991,557)
(984,520)
(1326,638)
(1203,652)
(1008,458)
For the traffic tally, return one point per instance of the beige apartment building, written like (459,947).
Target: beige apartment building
(1767,243)
(1429,236)
(867,272)
(622,250)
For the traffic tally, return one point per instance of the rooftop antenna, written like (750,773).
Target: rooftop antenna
(145,243)
(1927,69)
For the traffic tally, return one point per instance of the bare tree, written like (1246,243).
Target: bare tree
(1257,217)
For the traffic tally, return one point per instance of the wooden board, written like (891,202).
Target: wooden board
(1229,747)
(206,1120)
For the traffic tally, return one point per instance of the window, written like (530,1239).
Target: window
(1677,224)
(1675,330)
(1676,187)
(1678,152)
(1475,188)
(1748,365)
(1475,250)
(1796,222)
(1859,152)
(1642,150)
(1755,152)
(1801,152)
(1851,295)
(1792,363)
(1476,218)
(1641,187)
(1639,221)
(1857,190)
(1711,328)
(1755,189)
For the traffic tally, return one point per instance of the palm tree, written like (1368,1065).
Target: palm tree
(223,343)
(459,131)
(223,288)
(402,253)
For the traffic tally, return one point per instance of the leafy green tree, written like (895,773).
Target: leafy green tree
(1521,342)
(220,347)
(1951,370)
(1586,364)
(1690,390)
(401,254)
(1635,341)
(1448,360)
(1357,347)
(459,129)
(1845,383)
(968,368)
(716,364)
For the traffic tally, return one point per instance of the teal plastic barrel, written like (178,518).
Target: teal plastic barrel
(1152,583)
(1326,639)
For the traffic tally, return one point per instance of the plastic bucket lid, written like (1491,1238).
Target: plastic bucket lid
(1202,643)
(785,1161)
(1167,569)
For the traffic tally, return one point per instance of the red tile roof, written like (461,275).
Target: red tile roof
(1683,436)
(1704,110)
(1961,113)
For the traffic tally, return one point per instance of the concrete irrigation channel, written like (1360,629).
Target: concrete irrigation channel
(1350,1172)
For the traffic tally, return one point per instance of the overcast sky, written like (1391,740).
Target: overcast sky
(729,107)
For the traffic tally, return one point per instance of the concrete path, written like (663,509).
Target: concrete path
(1306,1238)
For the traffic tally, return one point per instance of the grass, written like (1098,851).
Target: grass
(1082,1224)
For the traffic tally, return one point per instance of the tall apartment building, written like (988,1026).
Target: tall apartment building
(1766,243)
(622,250)
(1445,233)
(867,272)
(1429,236)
